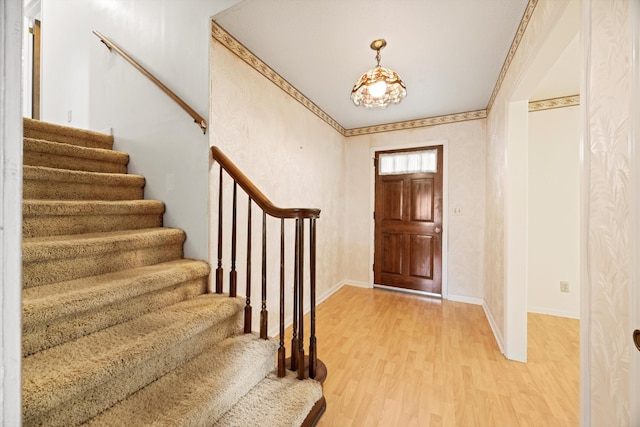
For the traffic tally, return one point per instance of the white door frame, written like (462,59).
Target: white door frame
(11,210)
(445,204)
(635,208)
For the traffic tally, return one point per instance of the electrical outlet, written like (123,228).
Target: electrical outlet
(456,211)
(564,286)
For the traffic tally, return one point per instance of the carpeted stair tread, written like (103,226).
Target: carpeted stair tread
(52,132)
(274,402)
(201,391)
(58,312)
(43,303)
(48,247)
(53,259)
(59,217)
(51,183)
(55,174)
(38,152)
(66,372)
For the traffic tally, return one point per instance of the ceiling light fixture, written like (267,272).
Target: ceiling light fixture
(379,86)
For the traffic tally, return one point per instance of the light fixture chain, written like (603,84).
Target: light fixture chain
(378,57)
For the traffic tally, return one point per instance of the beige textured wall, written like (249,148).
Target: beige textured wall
(607,109)
(293,157)
(466,178)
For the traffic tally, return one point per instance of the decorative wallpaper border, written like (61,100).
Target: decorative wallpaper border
(410,124)
(548,104)
(227,40)
(513,49)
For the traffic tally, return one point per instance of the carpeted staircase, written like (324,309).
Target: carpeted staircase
(118,328)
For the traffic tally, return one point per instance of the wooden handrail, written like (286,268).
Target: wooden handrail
(256,195)
(196,117)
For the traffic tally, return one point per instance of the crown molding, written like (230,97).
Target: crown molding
(419,123)
(512,50)
(549,104)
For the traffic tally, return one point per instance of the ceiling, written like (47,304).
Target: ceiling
(448,52)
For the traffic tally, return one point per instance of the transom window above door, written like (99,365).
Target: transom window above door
(408,162)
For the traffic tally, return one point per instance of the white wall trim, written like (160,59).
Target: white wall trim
(11,24)
(494,327)
(515,233)
(554,312)
(585,174)
(355,283)
(445,204)
(634,139)
(466,300)
(288,321)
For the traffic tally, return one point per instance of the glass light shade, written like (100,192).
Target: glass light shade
(377,88)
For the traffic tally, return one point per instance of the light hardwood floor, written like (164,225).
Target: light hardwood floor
(396,359)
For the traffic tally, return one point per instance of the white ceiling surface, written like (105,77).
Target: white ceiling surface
(448,52)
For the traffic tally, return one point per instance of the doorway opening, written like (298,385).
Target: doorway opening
(519,248)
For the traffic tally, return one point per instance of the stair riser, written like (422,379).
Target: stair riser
(132,377)
(60,190)
(38,337)
(212,381)
(79,137)
(49,160)
(244,381)
(77,266)
(59,225)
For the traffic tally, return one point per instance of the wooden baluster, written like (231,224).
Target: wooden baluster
(219,269)
(294,338)
(281,349)
(233,274)
(301,373)
(313,355)
(247,307)
(263,312)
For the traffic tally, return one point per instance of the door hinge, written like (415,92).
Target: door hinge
(374,214)
(373,267)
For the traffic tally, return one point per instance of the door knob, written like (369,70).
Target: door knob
(437,230)
(636,338)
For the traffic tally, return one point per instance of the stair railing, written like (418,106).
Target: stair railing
(197,118)
(297,362)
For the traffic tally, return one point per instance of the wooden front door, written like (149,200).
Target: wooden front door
(408,222)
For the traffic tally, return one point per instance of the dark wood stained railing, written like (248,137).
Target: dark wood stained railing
(197,118)
(305,367)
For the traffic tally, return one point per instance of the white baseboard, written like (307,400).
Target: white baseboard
(494,327)
(356,284)
(288,321)
(554,312)
(467,300)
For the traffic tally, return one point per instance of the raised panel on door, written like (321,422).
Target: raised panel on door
(393,198)
(392,257)
(422,202)
(421,256)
